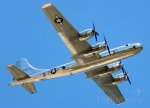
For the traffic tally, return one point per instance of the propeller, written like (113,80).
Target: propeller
(96,34)
(107,44)
(125,73)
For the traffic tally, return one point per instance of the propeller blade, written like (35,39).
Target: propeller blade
(96,38)
(128,79)
(126,74)
(96,34)
(123,70)
(120,62)
(108,50)
(105,39)
(93,26)
(107,44)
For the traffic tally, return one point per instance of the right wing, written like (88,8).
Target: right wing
(110,90)
(70,36)
(67,32)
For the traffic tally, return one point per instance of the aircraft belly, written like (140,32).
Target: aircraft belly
(42,78)
(81,68)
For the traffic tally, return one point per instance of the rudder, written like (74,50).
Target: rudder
(26,67)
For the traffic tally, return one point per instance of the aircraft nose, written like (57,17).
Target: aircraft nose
(139,45)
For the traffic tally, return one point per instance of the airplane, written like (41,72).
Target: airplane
(98,62)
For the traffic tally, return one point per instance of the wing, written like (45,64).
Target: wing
(111,90)
(70,36)
(67,32)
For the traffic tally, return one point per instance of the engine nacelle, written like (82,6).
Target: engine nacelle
(107,70)
(85,35)
(96,49)
(119,80)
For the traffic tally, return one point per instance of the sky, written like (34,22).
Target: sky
(26,32)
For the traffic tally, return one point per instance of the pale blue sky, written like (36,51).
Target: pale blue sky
(26,32)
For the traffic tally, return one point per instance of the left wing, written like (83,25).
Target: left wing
(105,84)
(67,32)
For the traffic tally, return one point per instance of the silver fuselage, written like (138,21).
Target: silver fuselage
(117,54)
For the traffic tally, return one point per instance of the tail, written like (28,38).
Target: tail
(24,65)
(23,70)
(20,75)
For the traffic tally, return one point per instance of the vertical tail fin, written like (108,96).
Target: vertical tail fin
(24,65)
(23,70)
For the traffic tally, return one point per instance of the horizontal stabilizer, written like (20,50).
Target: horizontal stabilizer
(17,73)
(30,88)
(20,75)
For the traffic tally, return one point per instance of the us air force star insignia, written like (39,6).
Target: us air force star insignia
(58,20)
